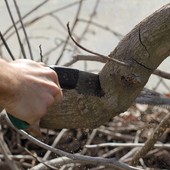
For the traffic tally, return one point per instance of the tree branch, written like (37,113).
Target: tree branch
(16,30)
(120,84)
(149,144)
(79,158)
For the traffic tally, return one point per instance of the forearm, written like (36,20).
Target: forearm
(7,84)
(27,89)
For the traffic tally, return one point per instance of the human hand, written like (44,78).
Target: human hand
(28,89)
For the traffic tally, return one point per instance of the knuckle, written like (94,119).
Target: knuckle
(52,75)
(50,101)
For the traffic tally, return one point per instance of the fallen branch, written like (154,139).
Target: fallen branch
(149,144)
(79,158)
(6,152)
(127,145)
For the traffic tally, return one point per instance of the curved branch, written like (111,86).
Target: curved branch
(92,52)
(79,158)
(144,48)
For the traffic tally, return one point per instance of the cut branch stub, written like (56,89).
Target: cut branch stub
(144,48)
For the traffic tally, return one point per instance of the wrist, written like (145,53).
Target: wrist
(7,82)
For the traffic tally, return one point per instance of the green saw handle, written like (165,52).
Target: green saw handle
(18,123)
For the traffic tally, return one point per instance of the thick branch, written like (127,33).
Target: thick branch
(144,48)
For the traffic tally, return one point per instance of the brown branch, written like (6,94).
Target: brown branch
(7,47)
(164,124)
(41,55)
(121,85)
(72,29)
(16,30)
(26,15)
(76,58)
(38,158)
(24,30)
(85,58)
(92,52)
(40,17)
(90,139)
(5,150)
(92,15)
(162,74)
(57,139)
(57,162)
(79,158)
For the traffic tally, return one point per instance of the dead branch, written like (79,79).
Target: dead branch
(26,24)
(16,30)
(6,152)
(149,144)
(72,29)
(24,30)
(80,158)
(121,84)
(86,58)
(26,15)
(95,53)
(131,145)
(77,58)
(7,47)
(57,139)
(162,74)
(86,29)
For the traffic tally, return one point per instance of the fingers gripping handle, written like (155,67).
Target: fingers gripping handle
(18,123)
(68,80)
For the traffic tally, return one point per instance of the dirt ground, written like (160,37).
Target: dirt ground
(134,126)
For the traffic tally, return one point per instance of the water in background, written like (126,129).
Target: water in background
(121,16)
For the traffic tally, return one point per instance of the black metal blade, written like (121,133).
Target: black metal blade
(84,82)
(68,77)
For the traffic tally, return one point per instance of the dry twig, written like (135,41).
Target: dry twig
(126,145)
(24,30)
(57,139)
(39,17)
(39,159)
(16,30)
(7,47)
(26,15)
(79,158)
(152,140)
(92,52)
(162,74)
(72,29)
(6,152)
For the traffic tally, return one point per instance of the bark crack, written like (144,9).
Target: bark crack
(144,46)
(140,40)
(141,64)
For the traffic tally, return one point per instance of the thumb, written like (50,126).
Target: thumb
(34,130)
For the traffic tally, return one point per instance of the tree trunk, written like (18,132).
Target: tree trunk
(144,48)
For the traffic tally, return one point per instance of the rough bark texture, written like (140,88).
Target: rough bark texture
(144,48)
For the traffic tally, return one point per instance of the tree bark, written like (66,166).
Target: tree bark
(144,48)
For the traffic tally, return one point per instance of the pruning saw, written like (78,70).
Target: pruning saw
(88,84)
(69,78)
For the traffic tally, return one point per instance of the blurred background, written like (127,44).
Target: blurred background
(98,25)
